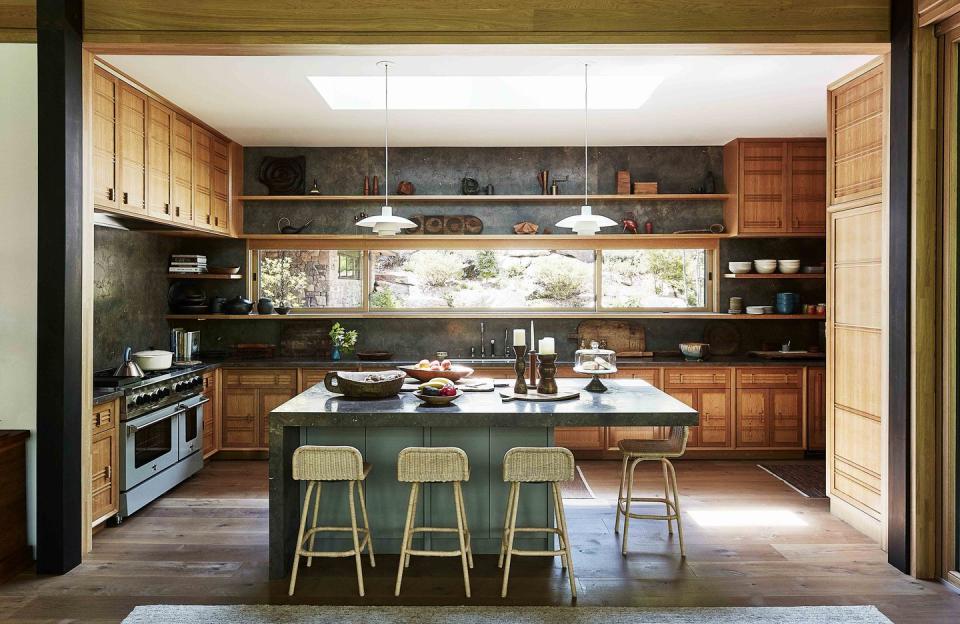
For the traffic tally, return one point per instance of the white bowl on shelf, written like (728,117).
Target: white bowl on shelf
(740,267)
(788,266)
(765,266)
(755,310)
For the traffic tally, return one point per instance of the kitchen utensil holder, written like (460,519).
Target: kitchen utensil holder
(548,371)
(520,366)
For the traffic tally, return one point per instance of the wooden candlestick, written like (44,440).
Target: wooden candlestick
(520,366)
(533,368)
(548,372)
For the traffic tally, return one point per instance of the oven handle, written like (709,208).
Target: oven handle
(137,427)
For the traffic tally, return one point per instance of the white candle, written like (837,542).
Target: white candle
(546,346)
(519,338)
(532,339)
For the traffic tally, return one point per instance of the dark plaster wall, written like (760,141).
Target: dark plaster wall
(438,171)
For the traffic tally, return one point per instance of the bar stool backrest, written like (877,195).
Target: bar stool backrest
(678,439)
(530,464)
(327,463)
(442,464)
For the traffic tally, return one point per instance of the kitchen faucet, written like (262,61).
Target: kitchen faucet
(483,346)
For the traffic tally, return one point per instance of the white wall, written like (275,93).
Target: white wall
(18,250)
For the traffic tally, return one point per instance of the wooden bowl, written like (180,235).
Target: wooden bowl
(456,372)
(358,386)
(230,270)
(438,401)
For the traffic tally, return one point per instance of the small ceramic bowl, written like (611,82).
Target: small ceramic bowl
(740,267)
(754,309)
(788,266)
(765,266)
(438,401)
(767,309)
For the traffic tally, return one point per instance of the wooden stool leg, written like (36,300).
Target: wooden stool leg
(303,524)
(557,501)
(676,507)
(366,522)
(515,500)
(666,495)
(466,528)
(404,544)
(413,522)
(356,537)
(626,511)
(316,511)
(565,538)
(506,527)
(458,503)
(623,480)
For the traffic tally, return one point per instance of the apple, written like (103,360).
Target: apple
(434,367)
(434,363)
(446,365)
(423,364)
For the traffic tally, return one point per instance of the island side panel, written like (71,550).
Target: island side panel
(476,492)
(284,497)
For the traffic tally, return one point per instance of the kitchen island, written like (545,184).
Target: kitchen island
(479,422)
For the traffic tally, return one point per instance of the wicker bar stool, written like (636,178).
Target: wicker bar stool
(316,464)
(536,465)
(416,465)
(636,451)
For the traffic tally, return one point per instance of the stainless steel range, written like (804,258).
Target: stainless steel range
(161,432)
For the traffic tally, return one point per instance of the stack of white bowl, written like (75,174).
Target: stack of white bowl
(765,266)
(788,266)
(741,267)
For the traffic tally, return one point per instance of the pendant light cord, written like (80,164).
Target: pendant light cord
(585,106)
(386,134)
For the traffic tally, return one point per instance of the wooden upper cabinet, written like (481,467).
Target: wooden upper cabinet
(220,178)
(776,186)
(104,139)
(202,178)
(855,130)
(159,128)
(132,155)
(182,170)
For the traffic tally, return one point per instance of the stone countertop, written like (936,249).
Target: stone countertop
(627,403)
(651,362)
(102,395)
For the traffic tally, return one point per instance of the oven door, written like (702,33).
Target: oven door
(191,426)
(150,445)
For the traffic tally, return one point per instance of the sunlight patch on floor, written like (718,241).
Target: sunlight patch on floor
(746,517)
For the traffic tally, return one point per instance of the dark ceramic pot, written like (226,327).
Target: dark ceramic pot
(216,305)
(238,305)
(264,306)
(282,309)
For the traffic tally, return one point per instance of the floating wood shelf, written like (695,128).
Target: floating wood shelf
(432,314)
(774,275)
(473,199)
(483,237)
(205,276)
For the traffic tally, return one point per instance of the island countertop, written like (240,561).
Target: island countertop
(627,402)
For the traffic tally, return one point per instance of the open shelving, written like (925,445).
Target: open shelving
(469,199)
(339,314)
(777,276)
(204,276)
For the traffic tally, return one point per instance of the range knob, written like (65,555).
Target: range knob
(138,399)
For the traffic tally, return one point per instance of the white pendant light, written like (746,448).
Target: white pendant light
(586,223)
(386,224)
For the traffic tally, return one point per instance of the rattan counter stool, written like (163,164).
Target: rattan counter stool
(316,464)
(416,465)
(636,451)
(536,465)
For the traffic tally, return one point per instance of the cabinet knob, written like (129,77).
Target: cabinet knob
(125,197)
(208,219)
(166,209)
(110,194)
(177,210)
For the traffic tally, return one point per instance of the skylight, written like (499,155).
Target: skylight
(486,92)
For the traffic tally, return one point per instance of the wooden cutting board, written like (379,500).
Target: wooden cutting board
(626,339)
(533,395)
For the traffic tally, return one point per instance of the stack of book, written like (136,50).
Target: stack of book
(188,263)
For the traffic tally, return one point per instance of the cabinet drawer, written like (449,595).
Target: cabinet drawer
(209,381)
(105,417)
(695,377)
(260,378)
(770,377)
(649,375)
(580,438)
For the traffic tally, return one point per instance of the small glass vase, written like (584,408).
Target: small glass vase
(335,354)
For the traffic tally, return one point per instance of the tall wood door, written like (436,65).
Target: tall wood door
(239,419)
(132,119)
(715,416)
(270,400)
(219,192)
(752,414)
(786,418)
(808,186)
(816,409)
(159,128)
(182,166)
(763,186)
(857,253)
(104,139)
(202,178)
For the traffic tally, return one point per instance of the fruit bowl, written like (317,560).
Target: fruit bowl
(438,400)
(454,373)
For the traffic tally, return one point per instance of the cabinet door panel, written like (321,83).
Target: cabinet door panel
(182,167)
(159,126)
(808,186)
(211,415)
(239,418)
(768,377)
(219,207)
(269,400)
(696,377)
(714,429)
(580,438)
(752,418)
(786,424)
(202,193)
(689,398)
(816,409)
(104,139)
(103,490)
(133,157)
(763,187)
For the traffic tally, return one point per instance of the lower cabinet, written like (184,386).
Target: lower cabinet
(580,438)
(615,434)
(104,461)
(715,430)
(770,408)
(248,397)
(816,409)
(211,413)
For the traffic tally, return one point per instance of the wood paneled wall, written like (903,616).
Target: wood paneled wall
(857,300)
(18,21)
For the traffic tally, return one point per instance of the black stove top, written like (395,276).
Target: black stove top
(106,379)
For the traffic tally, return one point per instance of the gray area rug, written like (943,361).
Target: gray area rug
(303,614)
